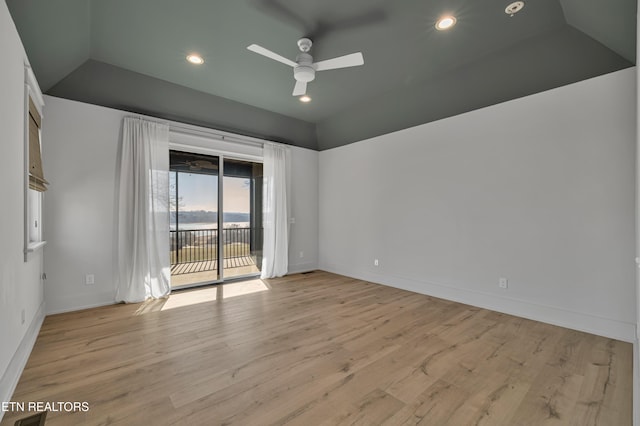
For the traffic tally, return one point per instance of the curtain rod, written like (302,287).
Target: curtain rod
(216,134)
(193,130)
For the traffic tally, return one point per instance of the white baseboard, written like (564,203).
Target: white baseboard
(79,308)
(11,376)
(554,315)
(636,382)
(302,267)
(56,307)
(99,296)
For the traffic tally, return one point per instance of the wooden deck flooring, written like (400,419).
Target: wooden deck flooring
(211,265)
(322,349)
(188,274)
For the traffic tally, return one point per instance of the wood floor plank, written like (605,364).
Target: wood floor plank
(322,349)
(435,405)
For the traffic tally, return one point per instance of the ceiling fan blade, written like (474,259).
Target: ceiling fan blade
(271,55)
(277,10)
(348,23)
(352,60)
(300,88)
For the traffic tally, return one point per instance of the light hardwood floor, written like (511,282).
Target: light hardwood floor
(322,349)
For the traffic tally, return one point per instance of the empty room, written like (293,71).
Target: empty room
(269,212)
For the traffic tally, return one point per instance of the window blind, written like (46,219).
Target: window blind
(36,176)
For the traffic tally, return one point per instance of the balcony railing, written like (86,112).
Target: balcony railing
(196,250)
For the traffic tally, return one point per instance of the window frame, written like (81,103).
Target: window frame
(33,200)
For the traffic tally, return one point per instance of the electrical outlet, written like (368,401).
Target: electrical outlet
(301,254)
(376,262)
(89,279)
(292,220)
(503,283)
(22,317)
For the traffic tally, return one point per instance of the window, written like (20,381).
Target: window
(35,183)
(35,216)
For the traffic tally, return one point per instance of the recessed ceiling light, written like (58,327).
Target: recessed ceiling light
(445,23)
(305,98)
(195,59)
(514,8)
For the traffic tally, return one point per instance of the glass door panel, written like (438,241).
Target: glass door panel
(242,218)
(193,219)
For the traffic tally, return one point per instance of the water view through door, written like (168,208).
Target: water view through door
(207,246)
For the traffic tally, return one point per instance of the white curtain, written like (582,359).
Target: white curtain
(275,260)
(143,216)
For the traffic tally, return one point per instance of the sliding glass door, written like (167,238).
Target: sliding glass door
(216,224)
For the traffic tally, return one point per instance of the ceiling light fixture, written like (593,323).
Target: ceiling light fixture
(514,8)
(445,23)
(195,59)
(305,99)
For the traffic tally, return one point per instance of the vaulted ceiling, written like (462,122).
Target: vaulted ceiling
(130,54)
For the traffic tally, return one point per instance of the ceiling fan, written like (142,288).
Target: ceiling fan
(304,69)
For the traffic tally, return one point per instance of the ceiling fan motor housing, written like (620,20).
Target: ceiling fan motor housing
(304,71)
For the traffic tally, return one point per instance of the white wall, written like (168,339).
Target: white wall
(303,237)
(539,190)
(81,153)
(636,349)
(20,284)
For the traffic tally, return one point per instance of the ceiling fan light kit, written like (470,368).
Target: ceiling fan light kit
(304,69)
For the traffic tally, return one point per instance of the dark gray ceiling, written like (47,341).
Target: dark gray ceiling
(130,54)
